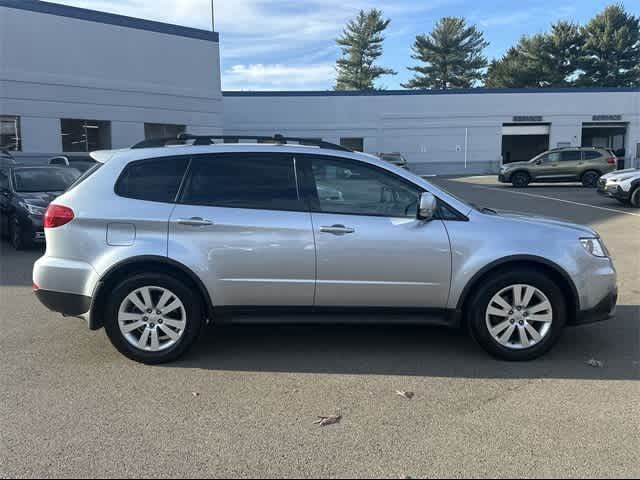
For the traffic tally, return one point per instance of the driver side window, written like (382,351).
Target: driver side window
(353,188)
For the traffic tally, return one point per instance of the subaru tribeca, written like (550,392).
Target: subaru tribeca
(155,242)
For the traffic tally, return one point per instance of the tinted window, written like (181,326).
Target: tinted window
(570,156)
(44,179)
(155,180)
(350,187)
(591,155)
(243,180)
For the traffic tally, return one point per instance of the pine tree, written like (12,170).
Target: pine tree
(525,65)
(611,51)
(361,43)
(450,56)
(562,52)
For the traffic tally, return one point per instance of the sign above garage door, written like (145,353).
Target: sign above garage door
(541,129)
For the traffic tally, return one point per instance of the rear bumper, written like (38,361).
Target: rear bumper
(502,178)
(68,304)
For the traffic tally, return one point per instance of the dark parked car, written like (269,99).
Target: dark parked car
(79,162)
(25,194)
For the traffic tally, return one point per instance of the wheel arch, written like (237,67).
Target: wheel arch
(144,264)
(557,273)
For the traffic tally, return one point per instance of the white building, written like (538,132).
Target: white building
(75,80)
(455,131)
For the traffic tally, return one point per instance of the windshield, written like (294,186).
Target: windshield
(44,179)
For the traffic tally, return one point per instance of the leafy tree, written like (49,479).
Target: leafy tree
(361,43)
(451,56)
(611,50)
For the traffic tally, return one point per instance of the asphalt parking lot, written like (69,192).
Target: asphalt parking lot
(242,404)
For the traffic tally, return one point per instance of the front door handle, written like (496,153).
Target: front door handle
(195,222)
(337,229)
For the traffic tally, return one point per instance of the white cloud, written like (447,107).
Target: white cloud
(279,77)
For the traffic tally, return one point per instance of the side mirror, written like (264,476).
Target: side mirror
(427,206)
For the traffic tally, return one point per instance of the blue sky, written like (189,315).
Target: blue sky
(289,44)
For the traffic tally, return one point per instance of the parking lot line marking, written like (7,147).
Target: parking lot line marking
(559,200)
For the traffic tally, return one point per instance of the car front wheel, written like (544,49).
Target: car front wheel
(634,198)
(153,318)
(517,315)
(520,179)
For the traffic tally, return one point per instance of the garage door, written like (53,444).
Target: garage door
(526,129)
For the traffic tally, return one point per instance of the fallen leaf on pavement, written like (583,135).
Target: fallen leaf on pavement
(330,420)
(407,395)
(195,394)
(595,363)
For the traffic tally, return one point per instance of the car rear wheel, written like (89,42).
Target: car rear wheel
(590,179)
(520,179)
(153,318)
(517,315)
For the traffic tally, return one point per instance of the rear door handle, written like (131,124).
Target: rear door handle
(337,230)
(195,222)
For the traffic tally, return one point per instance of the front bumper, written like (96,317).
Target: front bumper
(502,178)
(619,193)
(604,310)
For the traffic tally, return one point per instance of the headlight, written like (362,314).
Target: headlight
(594,246)
(34,209)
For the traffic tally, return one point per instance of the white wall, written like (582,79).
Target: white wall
(429,129)
(54,67)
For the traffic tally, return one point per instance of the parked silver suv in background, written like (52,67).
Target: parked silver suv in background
(155,242)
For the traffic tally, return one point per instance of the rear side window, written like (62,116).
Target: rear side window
(156,180)
(243,180)
(570,156)
(591,155)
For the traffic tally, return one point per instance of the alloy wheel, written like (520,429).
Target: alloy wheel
(152,318)
(519,316)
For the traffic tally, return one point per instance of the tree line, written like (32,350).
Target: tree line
(604,52)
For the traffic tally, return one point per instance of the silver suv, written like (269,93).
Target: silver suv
(154,243)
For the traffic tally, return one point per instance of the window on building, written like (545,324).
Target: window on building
(10,133)
(156,180)
(353,143)
(85,135)
(243,180)
(160,130)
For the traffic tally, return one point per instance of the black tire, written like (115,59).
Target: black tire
(520,179)
(194,318)
(634,197)
(478,305)
(590,178)
(17,236)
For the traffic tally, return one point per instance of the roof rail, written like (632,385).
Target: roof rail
(185,138)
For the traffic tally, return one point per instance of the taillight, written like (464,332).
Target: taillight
(57,216)
(35,286)
(611,160)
